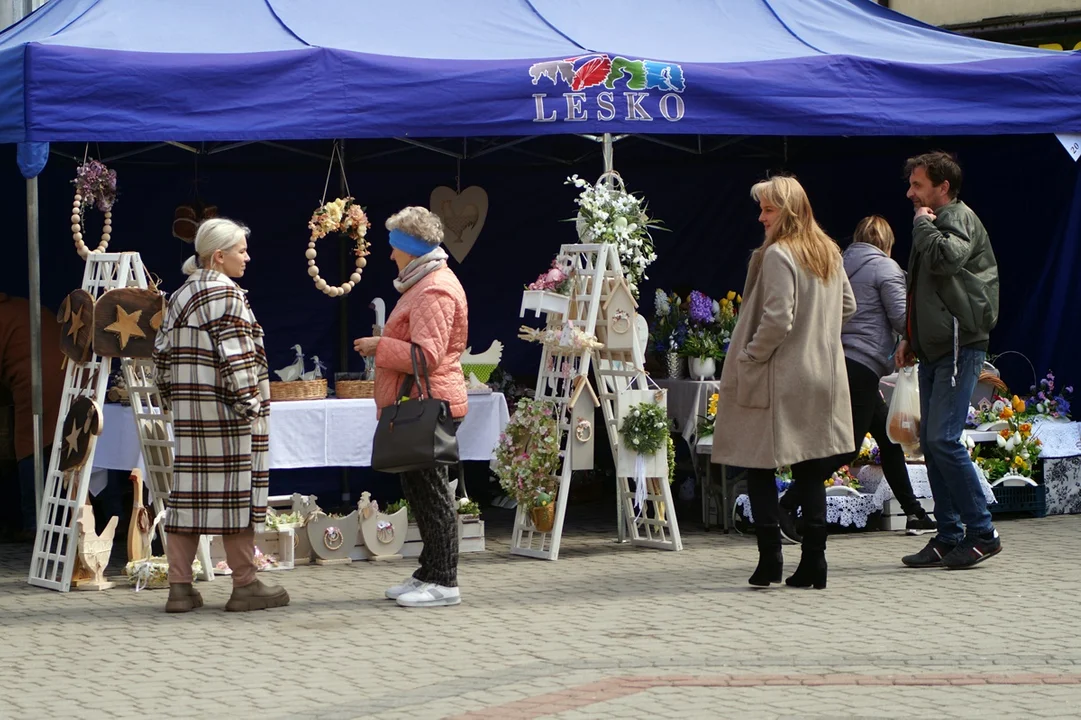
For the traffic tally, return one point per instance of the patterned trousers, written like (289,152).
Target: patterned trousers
(431,507)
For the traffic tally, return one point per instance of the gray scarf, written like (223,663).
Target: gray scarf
(415,271)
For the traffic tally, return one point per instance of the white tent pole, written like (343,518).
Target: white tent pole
(34,262)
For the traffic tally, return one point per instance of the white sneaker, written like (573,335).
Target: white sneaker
(430,595)
(398,590)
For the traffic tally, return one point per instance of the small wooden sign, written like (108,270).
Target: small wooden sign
(126,321)
(76,318)
(82,423)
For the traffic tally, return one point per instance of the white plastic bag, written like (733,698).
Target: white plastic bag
(903,421)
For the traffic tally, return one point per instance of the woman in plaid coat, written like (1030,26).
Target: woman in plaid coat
(212,374)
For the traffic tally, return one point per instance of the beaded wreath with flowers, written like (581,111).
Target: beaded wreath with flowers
(95,186)
(346,216)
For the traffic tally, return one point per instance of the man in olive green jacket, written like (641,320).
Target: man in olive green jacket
(952,308)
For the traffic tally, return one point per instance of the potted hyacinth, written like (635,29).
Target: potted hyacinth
(550,292)
(709,332)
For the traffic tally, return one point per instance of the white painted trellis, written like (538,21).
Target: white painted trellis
(54,555)
(622,381)
(154,426)
(55,546)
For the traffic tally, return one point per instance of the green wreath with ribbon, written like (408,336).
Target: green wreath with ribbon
(645,428)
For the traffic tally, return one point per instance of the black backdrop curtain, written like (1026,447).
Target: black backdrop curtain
(1025,189)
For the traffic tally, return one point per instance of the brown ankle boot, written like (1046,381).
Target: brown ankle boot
(257,596)
(183,598)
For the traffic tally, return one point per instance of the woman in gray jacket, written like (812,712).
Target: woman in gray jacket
(869,338)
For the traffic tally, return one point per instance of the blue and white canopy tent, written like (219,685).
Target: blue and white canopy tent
(156,70)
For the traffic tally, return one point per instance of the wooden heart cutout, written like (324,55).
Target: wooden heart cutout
(463,216)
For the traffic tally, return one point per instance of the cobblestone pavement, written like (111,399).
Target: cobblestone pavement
(608,631)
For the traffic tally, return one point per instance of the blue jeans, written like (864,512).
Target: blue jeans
(959,498)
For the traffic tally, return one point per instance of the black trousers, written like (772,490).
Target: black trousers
(808,490)
(432,508)
(869,413)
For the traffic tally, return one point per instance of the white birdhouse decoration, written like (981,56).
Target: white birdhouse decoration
(583,404)
(619,313)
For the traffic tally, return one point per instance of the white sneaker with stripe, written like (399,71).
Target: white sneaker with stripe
(430,595)
(409,585)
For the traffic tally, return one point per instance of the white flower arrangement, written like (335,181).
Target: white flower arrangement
(612,215)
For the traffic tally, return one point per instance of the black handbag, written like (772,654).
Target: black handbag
(415,434)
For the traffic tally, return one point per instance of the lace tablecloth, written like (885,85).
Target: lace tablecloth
(873,482)
(849,510)
(843,510)
(1060,439)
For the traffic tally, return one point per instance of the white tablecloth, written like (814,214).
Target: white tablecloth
(316,433)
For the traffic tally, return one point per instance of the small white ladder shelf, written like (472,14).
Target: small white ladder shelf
(596,271)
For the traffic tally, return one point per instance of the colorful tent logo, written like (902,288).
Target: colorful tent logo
(586,71)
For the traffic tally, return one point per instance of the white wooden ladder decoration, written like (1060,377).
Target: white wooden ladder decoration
(57,535)
(55,550)
(622,378)
(155,428)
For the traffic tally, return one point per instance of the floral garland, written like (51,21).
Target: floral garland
(570,337)
(95,186)
(645,428)
(343,215)
(612,215)
(527,456)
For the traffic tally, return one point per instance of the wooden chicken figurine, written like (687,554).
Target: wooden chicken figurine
(383,535)
(139,527)
(95,550)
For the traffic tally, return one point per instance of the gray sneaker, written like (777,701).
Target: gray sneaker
(920,524)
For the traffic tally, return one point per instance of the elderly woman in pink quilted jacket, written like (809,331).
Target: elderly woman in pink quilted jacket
(433,314)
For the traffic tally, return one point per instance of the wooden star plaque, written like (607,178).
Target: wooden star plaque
(76,318)
(126,321)
(81,425)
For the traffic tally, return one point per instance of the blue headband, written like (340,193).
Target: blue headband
(410,244)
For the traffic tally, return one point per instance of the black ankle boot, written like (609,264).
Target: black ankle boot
(770,561)
(811,571)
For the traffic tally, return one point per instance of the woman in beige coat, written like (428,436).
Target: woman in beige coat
(784,390)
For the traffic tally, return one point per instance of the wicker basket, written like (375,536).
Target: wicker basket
(298,390)
(544,517)
(355,389)
(994,381)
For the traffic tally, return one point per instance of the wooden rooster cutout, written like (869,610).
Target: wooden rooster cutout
(94,550)
(139,527)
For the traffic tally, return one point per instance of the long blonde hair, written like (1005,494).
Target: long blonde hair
(796,227)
